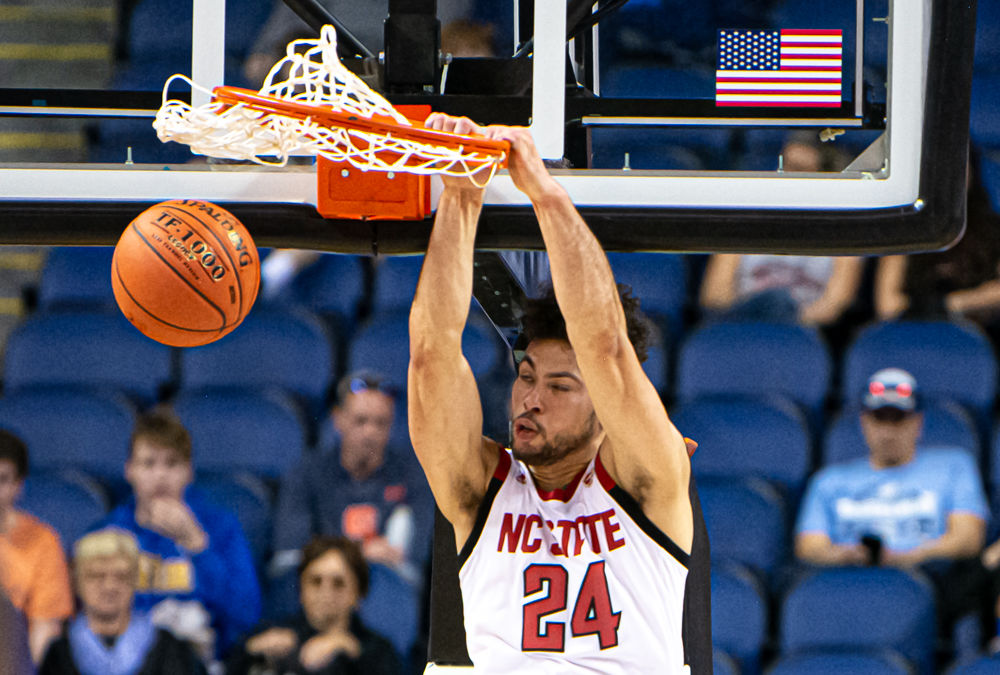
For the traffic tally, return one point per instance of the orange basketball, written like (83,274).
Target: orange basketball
(185,272)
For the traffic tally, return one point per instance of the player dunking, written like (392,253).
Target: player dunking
(574,550)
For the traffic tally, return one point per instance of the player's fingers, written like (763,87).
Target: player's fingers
(465,126)
(437,121)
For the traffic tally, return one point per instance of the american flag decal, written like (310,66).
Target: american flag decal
(789,68)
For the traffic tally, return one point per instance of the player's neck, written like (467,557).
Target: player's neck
(8,518)
(559,475)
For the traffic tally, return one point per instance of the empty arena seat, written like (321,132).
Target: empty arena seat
(77,277)
(291,350)
(249,499)
(741,437)
(659,280)
(946,424)
(986,665)
(950,360)
(395,283)
(861,608)
(333,287)
(86,349)
(249,430)
(71,504)
(756,359)
(987,54)
(840,663)
(739,616)
(382,344)
(984,120)
(723,664)
(391,606)
(67,428)
(746,521)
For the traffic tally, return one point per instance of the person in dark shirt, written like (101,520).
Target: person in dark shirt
(357,488)
(110,637)
(326,637)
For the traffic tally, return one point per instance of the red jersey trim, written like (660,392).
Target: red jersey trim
(563,494)
(503,465)
(607,482)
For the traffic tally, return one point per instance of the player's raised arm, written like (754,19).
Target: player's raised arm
(445,417)
(645,453)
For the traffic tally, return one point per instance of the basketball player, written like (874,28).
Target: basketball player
(574,544)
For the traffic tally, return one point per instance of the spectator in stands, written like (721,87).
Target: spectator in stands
(326,636)
(351,489)
(33,569)
(811,289)
(900,507)
(109,637)
(197,574)
(963,280)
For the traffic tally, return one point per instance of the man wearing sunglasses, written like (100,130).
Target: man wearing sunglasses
(902,506)
(574,543)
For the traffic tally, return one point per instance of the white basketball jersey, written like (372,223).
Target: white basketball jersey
(575,580)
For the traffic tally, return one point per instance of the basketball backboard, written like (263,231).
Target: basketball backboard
(662,157)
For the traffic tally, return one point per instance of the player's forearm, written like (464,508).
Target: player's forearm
(581,276)
(441,304)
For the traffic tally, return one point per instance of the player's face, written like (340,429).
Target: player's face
(10,485)
(106,585)
(364,422)
(550,406)
(328,591)
(156,471)
(891,435)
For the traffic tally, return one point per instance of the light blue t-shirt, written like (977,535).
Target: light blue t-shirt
(903,505)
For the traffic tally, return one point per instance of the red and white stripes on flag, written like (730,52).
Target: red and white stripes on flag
(788,68)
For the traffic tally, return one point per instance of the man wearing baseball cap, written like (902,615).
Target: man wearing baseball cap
(901,506)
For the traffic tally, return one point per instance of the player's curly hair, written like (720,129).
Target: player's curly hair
(542,320)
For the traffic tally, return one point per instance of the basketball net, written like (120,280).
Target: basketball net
(314,76)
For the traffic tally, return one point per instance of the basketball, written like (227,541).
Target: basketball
(185,272)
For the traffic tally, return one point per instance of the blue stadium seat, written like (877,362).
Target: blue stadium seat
(250,430)
(382,344)
(987,665)
(659,280)
(657,363)
(647,149)
(949,359)
(723,664)
(391,608)
(395,283)
(747,523)
(739,616)
(77,277)
(984,118)
(71,504)
(741,437)
(987,55)
(249,499)
(989,169)
(756,359)
(839,663)
(290,350)
(86,349)
(333,287)
(68,428)
(946,424)
(857,609)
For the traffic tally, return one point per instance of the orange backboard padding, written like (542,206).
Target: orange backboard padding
(344,191)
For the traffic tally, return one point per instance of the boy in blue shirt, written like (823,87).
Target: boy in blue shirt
(197,574)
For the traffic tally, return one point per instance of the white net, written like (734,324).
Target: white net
(314,75)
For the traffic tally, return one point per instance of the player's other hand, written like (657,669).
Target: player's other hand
(456,125)
(524,164)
